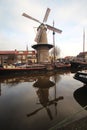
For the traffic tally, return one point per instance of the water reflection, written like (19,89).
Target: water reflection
(19,108)
(43,84)
(13,81)
(0,89)
(81,96)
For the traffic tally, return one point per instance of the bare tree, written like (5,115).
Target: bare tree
(55,52)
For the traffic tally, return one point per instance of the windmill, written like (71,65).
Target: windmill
(42,45)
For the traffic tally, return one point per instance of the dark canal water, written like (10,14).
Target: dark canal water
(44,102)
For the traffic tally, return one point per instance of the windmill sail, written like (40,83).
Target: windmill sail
(26,15)
(53,29)
(41,31)
(46,15)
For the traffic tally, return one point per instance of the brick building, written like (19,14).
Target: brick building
(82,56)
(9,57)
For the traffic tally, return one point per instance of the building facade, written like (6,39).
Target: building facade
(10,57)
(82,56)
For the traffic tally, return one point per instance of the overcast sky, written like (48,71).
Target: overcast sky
(16,31)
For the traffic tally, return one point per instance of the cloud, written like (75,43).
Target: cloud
(17,31)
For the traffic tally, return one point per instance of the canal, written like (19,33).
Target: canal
(41,102)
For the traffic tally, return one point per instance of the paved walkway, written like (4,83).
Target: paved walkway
(77,125)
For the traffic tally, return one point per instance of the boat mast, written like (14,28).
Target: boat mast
(55,75)
(83,40)
(54,42)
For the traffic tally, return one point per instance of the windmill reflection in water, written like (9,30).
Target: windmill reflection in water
(43,84)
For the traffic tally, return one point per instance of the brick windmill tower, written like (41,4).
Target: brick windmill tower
(42,47)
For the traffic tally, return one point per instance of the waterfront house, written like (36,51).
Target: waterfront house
(10,57)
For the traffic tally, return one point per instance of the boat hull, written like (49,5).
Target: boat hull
(16,71)
(78,65)
(80,76)
(62,66)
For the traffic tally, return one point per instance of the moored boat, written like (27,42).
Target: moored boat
(7,70)
(80,96)
(81,76)
(62,65)
(78,65)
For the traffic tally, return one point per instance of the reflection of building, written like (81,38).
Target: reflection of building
(43,84)
(11,80)
(0,89)
(17,56)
